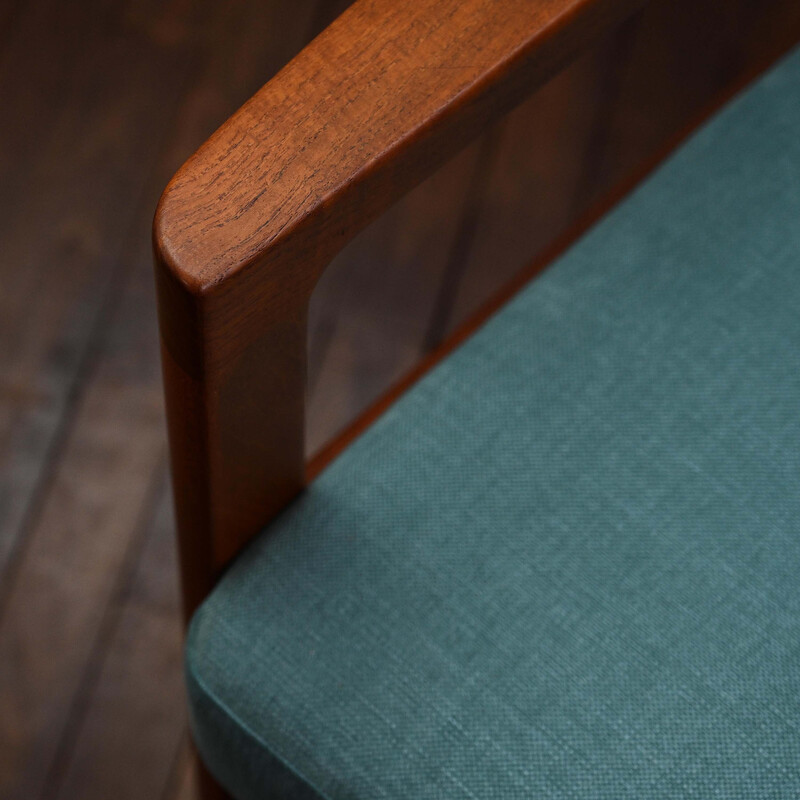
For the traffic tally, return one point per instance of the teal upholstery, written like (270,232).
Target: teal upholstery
(567,563)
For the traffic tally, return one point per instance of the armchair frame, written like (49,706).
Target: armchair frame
(371,107)
(383,97)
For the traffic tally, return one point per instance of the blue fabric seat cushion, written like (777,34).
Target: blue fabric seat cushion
(567,563)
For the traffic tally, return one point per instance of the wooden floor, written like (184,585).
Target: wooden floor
(99,103)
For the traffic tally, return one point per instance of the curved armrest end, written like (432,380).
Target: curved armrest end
(372,106)
(381,98)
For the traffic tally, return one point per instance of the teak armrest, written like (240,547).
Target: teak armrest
(380,99)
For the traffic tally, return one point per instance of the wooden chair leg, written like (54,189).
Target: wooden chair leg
(208,788)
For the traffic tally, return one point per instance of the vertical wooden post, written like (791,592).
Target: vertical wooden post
(234,384)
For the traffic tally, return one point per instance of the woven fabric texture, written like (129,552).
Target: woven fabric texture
(567,563)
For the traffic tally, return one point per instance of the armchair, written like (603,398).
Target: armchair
(562,565)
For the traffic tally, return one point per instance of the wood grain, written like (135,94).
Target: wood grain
(75,502)
(242,233)
(373,105)
(94,94)
(80,367)
(135,685)
(77,218)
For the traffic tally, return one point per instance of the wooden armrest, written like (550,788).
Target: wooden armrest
(242,233)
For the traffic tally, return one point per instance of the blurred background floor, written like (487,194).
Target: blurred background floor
(99,104)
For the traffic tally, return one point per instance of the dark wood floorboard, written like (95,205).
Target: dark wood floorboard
(68,203)
(128,96)
(101,103)
(132,680)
